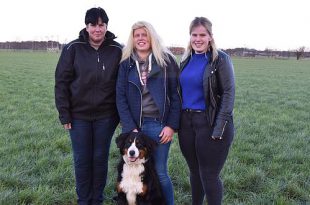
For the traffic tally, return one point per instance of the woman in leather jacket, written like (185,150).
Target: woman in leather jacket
(147,95)
(206,127)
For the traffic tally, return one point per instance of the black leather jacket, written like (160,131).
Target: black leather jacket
(219,91)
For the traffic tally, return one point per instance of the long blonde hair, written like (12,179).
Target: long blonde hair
(160,52)
(201,21)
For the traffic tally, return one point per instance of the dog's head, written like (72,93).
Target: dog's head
(135,147)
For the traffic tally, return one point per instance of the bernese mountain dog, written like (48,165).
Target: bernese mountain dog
(137,181)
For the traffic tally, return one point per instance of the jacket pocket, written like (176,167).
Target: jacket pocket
(219,128)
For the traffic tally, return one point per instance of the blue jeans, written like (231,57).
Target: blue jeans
(91,143)
(152,128)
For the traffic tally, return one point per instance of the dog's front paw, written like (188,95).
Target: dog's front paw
(144,190)
(119,188)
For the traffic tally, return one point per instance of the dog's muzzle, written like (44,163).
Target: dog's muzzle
(132,156)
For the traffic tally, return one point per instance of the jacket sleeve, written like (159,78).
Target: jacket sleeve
(64,75)
(127,121)
(173,95)
(226,84)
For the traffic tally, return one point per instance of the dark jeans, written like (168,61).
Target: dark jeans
(205,157)
(91,143)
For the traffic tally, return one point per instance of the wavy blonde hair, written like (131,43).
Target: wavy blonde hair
(160,52)
(206,23)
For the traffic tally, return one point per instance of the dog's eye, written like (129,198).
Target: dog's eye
(139,145)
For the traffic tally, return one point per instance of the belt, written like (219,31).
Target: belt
(151,119)
(193,110)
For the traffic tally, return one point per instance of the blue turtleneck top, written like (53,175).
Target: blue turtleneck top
(191,80)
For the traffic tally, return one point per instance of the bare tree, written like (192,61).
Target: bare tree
(300,52)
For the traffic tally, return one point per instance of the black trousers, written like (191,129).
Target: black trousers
(205,157)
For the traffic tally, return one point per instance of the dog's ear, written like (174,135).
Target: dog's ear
(120,140)
(150,143)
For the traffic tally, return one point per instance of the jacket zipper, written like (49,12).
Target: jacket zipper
(223,128)
(165,85)
(212,97)
(97,79)
(212,92)
(140,121)
(139,75)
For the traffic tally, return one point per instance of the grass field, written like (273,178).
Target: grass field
(269,161)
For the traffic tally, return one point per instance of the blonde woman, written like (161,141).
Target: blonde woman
(147,95)
(206,128)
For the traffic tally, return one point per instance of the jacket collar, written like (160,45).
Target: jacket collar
(109,37)
(133,74)
(185,61)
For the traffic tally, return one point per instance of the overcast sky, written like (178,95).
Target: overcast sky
(259,24)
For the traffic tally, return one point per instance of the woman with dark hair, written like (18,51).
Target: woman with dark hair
(85,98)
(206,129)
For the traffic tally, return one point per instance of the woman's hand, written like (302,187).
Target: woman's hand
(67,126)
(166,135)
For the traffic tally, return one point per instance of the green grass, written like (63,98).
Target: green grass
(269,161)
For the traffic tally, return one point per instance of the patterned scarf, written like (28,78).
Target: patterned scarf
(143,68)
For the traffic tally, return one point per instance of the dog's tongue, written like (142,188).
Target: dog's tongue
(132,159)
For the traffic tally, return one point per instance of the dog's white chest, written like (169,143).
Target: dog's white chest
(131,182)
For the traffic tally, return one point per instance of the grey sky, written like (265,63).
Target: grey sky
(259,24)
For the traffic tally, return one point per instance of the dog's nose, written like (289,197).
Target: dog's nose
(131,153)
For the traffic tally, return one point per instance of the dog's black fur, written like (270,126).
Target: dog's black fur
(151,192)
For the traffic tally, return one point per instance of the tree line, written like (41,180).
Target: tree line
(32,45)
(240,52)
(253,53)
